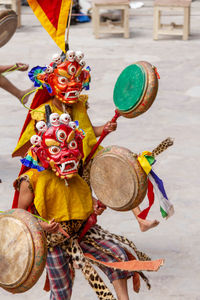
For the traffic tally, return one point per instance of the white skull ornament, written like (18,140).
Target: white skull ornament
(79,56)
(72,125)
(56,59)
(54,119)
(35,139)
(82,63)
(41,126)
(65,119)
(49,69)
(71,55)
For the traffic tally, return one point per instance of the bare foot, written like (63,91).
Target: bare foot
(147,224)
(28,92)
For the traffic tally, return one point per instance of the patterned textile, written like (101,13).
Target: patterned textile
(71,227)
(60,275)
(116,250)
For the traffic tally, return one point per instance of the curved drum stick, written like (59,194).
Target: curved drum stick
(103,135)
(91,221)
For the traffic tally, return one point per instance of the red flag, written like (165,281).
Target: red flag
(53,16)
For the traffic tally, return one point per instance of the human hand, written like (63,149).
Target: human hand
(98,207)
(51,227)
(110,126)
(22,67)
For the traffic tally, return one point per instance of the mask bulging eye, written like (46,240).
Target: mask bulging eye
(62,80)
(71,69)
(72,145)
(54,150)
(61,135)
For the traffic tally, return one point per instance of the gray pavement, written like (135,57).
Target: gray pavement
(174,113)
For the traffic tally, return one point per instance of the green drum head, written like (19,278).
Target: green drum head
(129,87)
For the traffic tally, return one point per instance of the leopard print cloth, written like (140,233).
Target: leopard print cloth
(162,146)
(71,227)
(73,250)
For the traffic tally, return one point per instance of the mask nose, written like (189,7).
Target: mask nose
(67,155)
(74,84)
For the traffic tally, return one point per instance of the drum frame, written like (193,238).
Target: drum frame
(40,250)
(136,170)
(7,17)
(149,93)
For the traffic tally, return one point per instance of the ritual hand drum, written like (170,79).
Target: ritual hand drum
(134,92)
(117,178)
(135,89)
(22,250)
(8,25)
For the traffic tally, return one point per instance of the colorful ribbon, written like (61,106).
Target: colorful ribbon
(31,161)
(154,183)
(146,160)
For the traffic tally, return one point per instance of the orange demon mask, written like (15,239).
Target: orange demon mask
(64,78)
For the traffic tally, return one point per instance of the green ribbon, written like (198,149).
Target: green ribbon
(38,217)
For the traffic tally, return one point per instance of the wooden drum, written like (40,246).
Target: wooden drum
(22,250)
(8,25)
(135,89)
(117,178)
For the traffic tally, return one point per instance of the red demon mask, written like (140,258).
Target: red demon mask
(60,148)
(65,80)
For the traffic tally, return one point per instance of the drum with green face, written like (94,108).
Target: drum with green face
(134,92)
(135,89)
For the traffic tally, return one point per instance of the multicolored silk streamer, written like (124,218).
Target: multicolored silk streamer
(31,161)
(150,195)
(53,16)
(154,184)
(144,161)
(34,73)
(166,208)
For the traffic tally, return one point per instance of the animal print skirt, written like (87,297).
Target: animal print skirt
(103,246)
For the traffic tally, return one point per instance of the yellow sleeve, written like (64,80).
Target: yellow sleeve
(29,131)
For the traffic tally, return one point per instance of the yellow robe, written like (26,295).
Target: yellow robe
(79,113)
(53,199)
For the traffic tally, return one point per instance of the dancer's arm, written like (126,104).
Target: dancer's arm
(25,200)
(17,66)
(109,126)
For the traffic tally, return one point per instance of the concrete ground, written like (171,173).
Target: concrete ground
(175,113)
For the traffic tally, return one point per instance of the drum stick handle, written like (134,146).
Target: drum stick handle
(116,116)
(91,221)
(63,231)
(103,135)
(100,204)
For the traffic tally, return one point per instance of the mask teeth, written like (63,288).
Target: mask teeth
(64,164)
(62,167)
